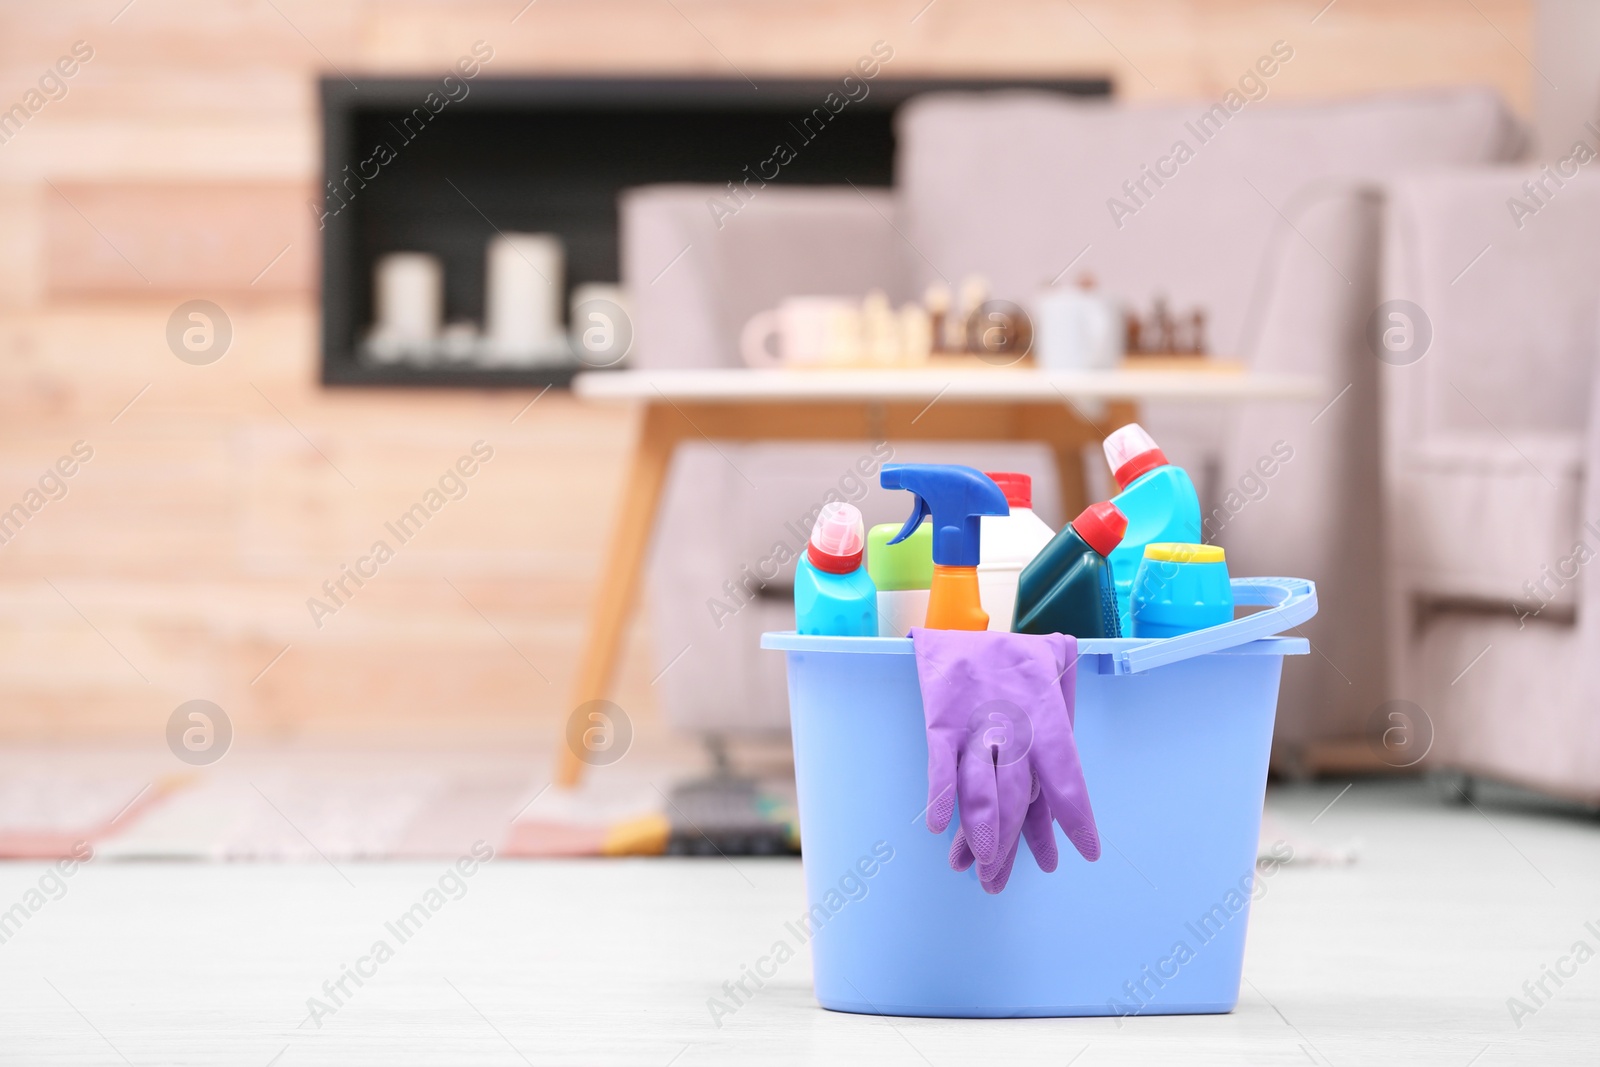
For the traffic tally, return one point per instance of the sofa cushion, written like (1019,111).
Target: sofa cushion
(1485,430)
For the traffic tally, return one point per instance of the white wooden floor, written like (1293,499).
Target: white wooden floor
(1406,956)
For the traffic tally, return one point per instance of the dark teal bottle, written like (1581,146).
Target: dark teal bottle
(1067,588)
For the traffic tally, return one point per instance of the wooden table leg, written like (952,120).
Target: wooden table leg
(1069,478)
(620,569)
(1066,432)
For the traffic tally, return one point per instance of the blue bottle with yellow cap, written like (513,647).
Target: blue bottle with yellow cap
(1180,588)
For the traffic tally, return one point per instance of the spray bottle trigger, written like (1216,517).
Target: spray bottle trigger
(919,511)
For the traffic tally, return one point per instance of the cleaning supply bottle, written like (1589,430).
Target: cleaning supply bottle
(902,573)
(833,595)
(956,498)
(1181,588)
(1008,544)
(1067,589)
(1158,499)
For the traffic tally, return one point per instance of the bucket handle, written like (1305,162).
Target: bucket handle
(1289,602)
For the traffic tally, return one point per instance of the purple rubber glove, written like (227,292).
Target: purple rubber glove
(999,715)
(1036,830)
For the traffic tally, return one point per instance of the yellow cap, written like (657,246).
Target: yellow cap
(1177,552)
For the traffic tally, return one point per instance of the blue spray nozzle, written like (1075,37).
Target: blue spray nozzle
(955,497)
(919,511)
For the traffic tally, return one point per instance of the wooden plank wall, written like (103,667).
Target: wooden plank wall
(176,161)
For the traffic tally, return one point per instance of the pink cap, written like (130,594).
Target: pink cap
(837,539)
(1131,451)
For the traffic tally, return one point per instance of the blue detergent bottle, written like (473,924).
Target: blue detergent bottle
(833,594)
(1181,589)
(1159,501)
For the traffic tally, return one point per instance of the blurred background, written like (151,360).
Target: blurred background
(248,316)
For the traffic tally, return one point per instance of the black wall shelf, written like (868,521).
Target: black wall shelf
(551,155)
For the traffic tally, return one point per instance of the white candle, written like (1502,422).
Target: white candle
(522,299)
(409,292)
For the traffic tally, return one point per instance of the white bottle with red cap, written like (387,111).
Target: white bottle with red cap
(1159,501)
(1006,544)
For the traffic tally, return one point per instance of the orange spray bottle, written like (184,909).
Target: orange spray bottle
(956,497)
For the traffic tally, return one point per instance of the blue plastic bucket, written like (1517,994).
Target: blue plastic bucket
(1174,737)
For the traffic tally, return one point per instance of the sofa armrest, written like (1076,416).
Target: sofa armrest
(1485,416)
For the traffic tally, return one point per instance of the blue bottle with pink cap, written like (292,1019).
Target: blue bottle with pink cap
(1159,501)
(833,594)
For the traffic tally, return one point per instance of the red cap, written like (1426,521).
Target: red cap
(1101,526)
(1018,488)
(1143,463)
(1131,452)
(827,561)
(837,538)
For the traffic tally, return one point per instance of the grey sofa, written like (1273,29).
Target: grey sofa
(1273,225)
(1491,445)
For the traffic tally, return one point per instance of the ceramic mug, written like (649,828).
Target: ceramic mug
(1076,330)
(809,330)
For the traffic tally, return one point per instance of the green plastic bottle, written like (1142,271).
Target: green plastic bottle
(1067,588)
(902,573)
